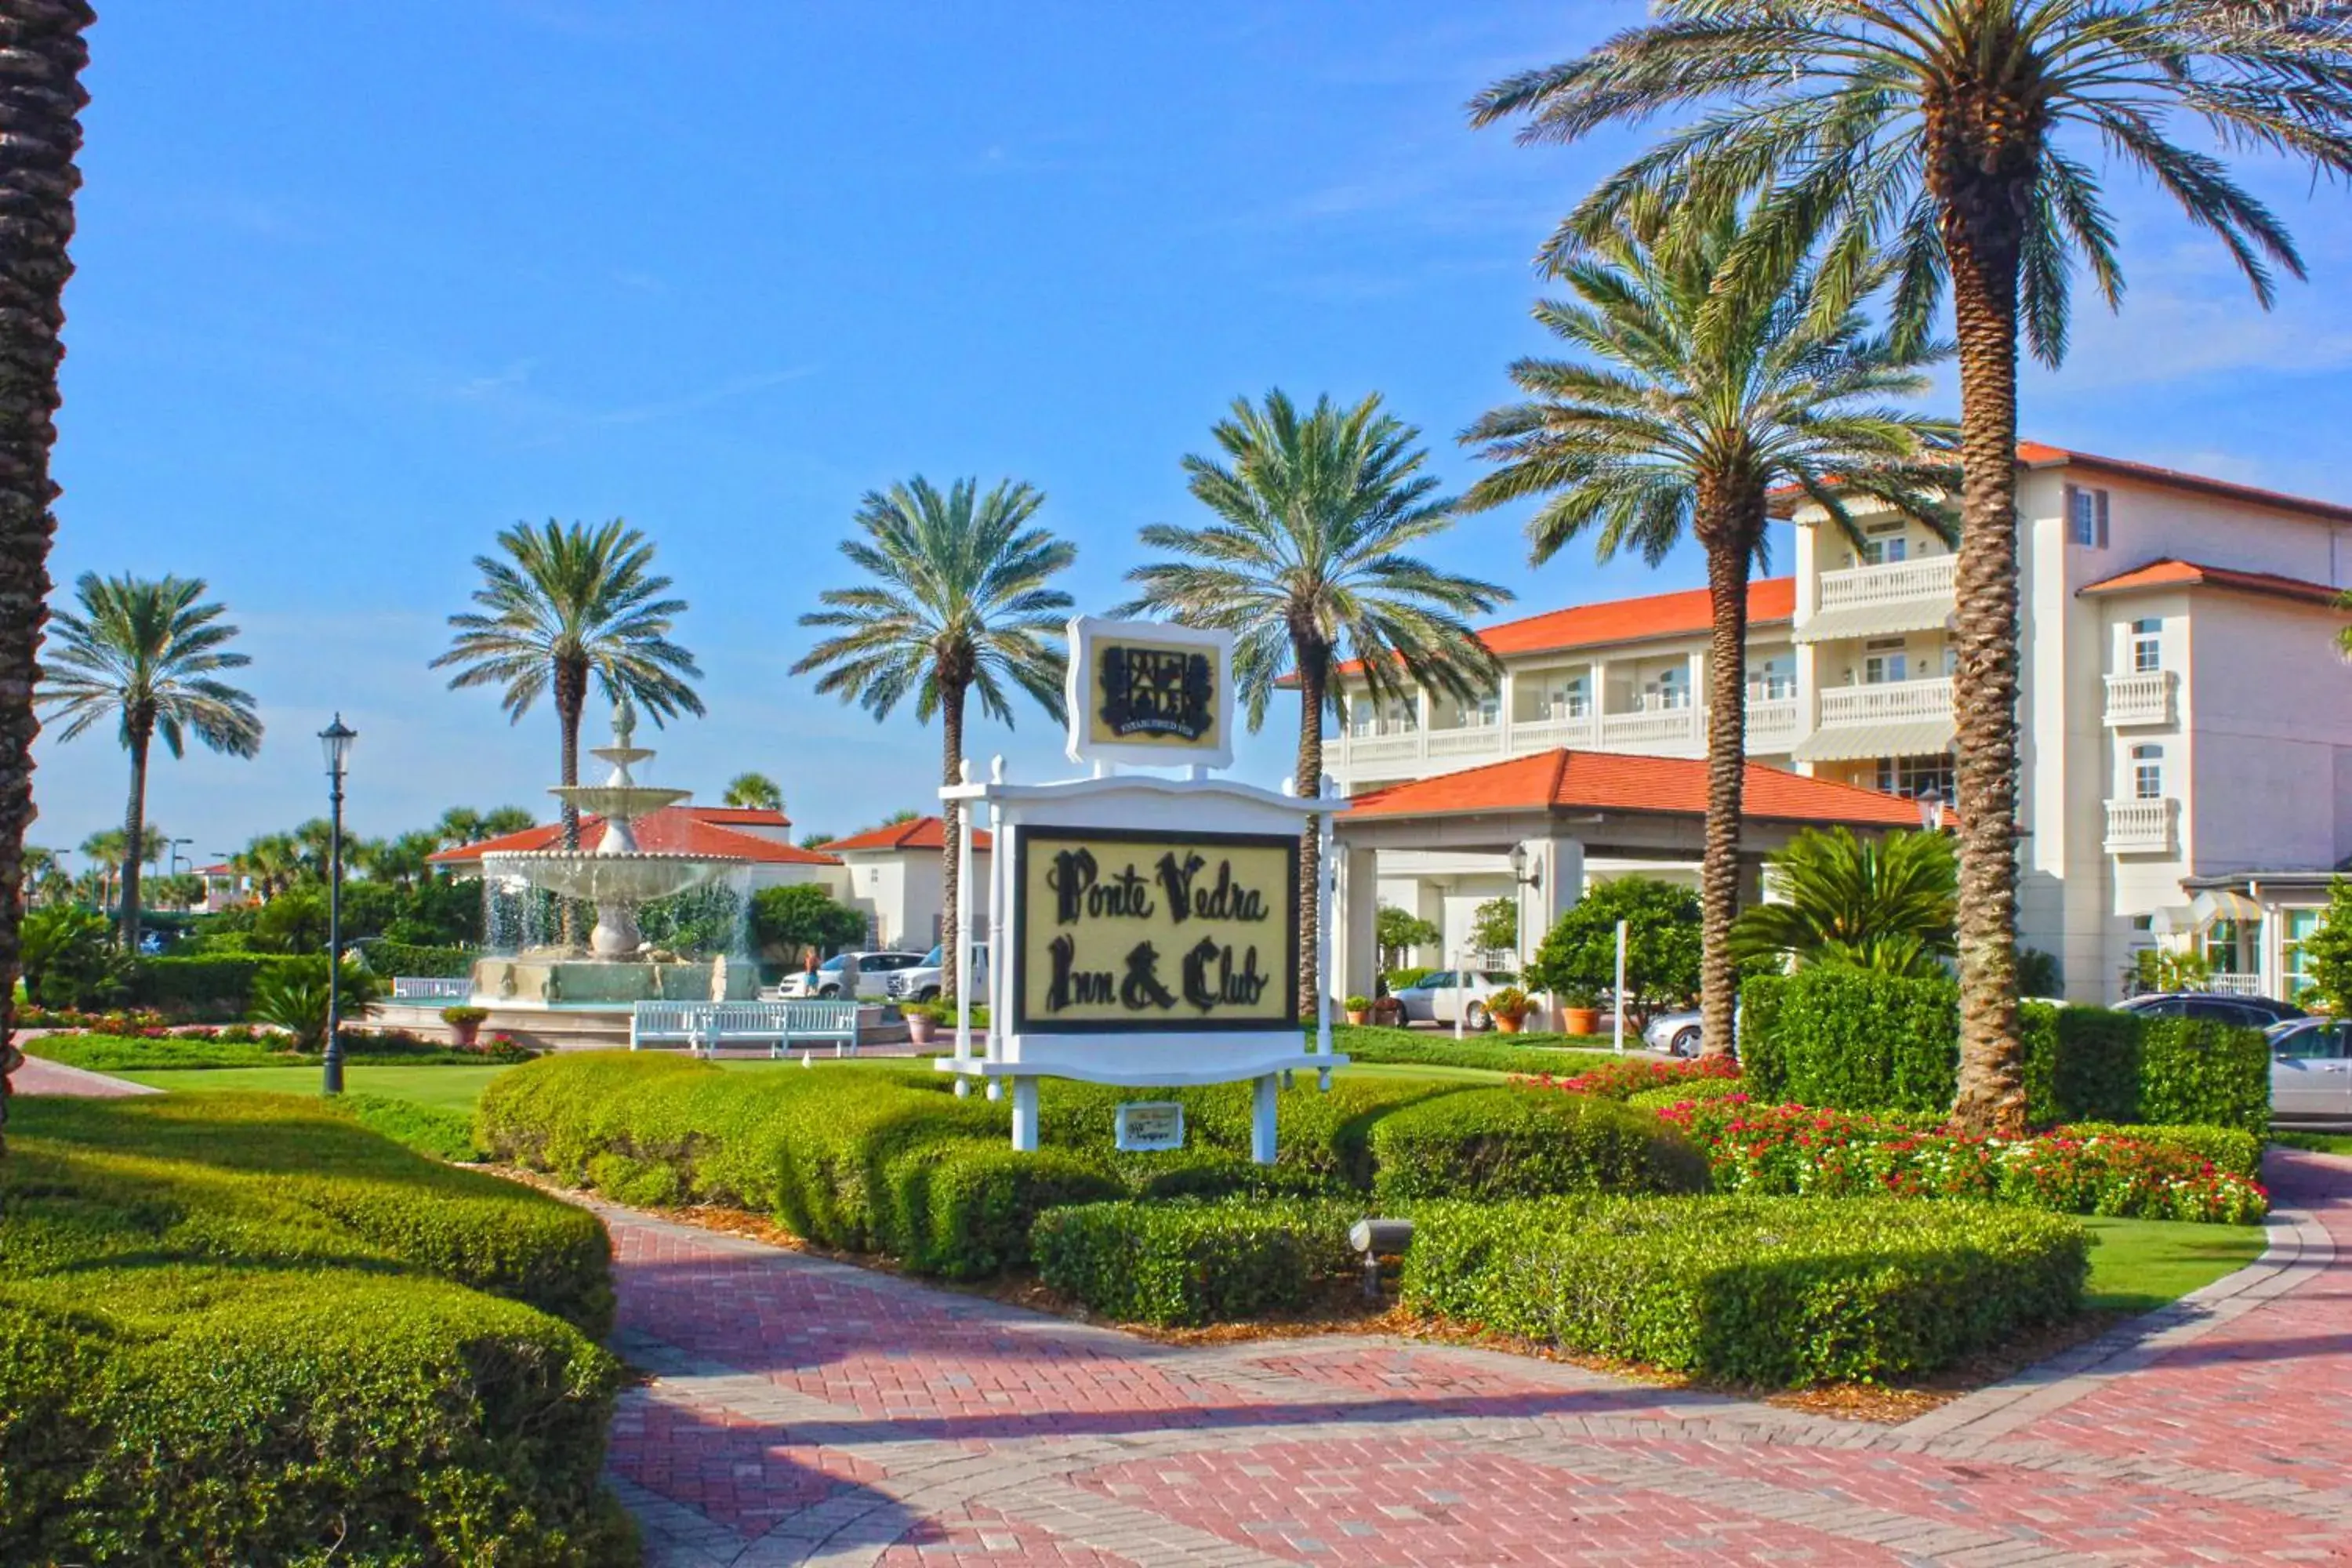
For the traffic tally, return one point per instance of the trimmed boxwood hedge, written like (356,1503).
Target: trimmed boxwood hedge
(213,985)
(1852,1041)
(1781,1292)
(1517,1142)
(1184,1264)
(245,1330)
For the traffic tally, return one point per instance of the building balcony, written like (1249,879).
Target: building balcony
(2143,826)
(2143,696)
(1648,729)
(1543,734)
(1771,723)
(1891,719)
(1880,601)
(1470,743)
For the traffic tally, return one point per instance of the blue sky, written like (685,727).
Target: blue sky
(359,285)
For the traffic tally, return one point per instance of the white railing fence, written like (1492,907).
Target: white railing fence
(1926,578)
(2140,825)
(431,988)
(1889,699)
(2143,697)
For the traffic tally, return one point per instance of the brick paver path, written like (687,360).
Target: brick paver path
(802,1411)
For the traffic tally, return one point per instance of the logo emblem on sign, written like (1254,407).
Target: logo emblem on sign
(1149,691)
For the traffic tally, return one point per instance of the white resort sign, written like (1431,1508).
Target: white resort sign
(1153,920)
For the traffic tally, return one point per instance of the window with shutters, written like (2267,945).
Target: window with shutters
(2087,518)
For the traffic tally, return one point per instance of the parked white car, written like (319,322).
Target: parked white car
(873,972)
(920,982)
(1442,997)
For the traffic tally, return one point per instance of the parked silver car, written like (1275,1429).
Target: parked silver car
(2311,1071)
(1676,1033)
(1439,997)
(872,972)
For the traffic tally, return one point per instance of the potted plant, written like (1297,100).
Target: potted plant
(465,1022)
(1579,1009)
(1359,1009)
(1509,1008)
(922,1020)
(1388,1011)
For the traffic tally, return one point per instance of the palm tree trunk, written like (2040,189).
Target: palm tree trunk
(1730,549)
(1309,776)
(42,56)
(134,827)
(570,700)
(951,813)
(1981,220)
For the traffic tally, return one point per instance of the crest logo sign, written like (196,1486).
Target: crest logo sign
(1144,691)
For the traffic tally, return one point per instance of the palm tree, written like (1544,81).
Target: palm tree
(957,604)
(105,850)
(148,656)
(42,56)
(1886,905)
(401,861)
(1944,126)
(567,606)
(1305,565)
(273,862)
(755,792)
(1681,421)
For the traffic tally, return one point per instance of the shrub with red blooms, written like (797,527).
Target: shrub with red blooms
(1794,1148)
(1621,1080)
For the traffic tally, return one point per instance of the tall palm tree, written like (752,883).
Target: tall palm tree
(273,862)
(1882,905)
(567,606)
(148,655)
(1679,421)
(105,850)
(42,57)
(1948,127)
(458,824)
(755,792)
(1305,565)
(957,604)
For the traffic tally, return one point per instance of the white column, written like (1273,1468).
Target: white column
(963,921)
(1264,1095)
(1356,905)
(1326,900)
(1024,1114)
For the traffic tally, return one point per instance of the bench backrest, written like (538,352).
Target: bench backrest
(759,1020)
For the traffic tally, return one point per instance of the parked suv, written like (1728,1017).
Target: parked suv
(919,982)
(874,972)
(2212,1007)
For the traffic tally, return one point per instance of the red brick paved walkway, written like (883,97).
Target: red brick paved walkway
(807,1412)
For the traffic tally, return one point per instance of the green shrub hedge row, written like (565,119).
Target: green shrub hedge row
(1779,1292)
(1690,1091)
(211,986)
(890,1161)
(2229,1149)
(1181,1264)
(1857,1041)
(1404,1047)
(389,957)
(244,1330)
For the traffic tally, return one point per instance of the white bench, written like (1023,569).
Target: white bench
(431,988)
(706,1026)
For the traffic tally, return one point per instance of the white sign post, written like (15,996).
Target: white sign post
(1144,930)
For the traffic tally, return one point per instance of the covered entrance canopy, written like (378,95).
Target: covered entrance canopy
(1562,806)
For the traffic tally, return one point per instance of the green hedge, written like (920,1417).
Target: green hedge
(2226,1148)
(216,986)
(389,957)
(1778,1291)
(434,1130)
(1404,1047)
(244,1330)
(1857,1041)
(1182,1263)
(1688,1092)
(1517,1142)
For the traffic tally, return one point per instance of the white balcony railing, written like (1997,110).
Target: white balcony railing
(1662,727)
(2226,984)
(1485,741)
(2141,827)
(1929,577)
(1889,701)
(1543,734)
(1382,748)
(1771,723)
(2143,697)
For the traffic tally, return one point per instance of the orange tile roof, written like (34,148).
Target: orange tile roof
(1564,780)
(742,816)
(672,830)
(915,833)
(2037,455)
(2170,573)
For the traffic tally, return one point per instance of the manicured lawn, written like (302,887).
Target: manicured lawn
(2137,1265)
(2317,1143)
(450,1087)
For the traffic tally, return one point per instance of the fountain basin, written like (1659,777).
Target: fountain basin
(542,982)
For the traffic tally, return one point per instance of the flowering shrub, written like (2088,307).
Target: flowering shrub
(1621,1080)
(117,1022)
(1792,1149)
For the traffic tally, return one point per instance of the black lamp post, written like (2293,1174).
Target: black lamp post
(335,740)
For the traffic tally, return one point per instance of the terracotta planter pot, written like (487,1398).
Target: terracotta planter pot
(1388,1010)
(1581,1020)
(921,1027)
(1509,1025)
(467,1033)
(1358,1015)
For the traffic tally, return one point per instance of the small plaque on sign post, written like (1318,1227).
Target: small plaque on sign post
(1148,1125)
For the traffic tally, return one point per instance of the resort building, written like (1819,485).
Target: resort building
(895,875)
(2186,721)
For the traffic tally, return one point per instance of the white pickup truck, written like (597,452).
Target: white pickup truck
(920,981)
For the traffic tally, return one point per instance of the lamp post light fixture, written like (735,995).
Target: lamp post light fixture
(1930,801)
(335,743)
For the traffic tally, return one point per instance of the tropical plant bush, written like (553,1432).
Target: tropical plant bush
(1857,1041)
(1662,946)
(1180,1264)
(1883,904)
(2326,954)
(1798,1150)
(241,1329)
(294,996)
(1777,1291)
(68,958)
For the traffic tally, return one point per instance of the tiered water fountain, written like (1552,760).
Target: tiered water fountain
(618,967)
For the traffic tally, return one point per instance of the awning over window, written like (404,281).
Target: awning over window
(1880,620)
(2212,904)
(1893,738)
